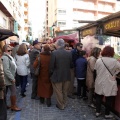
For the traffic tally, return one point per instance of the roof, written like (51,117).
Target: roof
(112,21)
(5,33)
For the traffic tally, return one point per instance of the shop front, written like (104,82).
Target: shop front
(112,28)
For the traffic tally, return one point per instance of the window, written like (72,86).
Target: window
(61,11)
(4,22)
(61,23)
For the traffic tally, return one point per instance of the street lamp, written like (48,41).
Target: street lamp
(53,27)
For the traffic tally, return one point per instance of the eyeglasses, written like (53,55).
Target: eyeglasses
(80,46)
(9,50)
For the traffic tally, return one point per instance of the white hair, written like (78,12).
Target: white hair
(60,43)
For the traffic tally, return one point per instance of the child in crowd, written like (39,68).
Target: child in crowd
(80,71)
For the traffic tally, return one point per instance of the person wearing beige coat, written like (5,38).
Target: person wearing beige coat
(105,83)
(89,76)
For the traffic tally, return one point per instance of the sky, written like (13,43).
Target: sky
(37,14)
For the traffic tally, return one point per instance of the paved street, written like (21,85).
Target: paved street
(77,109)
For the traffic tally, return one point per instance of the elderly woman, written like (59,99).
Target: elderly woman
(89,77)
(105,84)
(44,90)
(22,62)
(9,68)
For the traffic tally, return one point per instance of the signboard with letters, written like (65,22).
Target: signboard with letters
(112,25)
(90,31)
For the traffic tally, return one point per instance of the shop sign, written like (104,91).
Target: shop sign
(112,25)
(91,31)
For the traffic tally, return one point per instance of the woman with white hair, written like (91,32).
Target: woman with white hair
(60,65)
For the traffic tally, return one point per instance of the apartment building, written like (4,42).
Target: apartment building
(65,14)
(26,19)
(14,16)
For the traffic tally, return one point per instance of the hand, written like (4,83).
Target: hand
(13,81)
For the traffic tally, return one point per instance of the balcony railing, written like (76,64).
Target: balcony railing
(109,1)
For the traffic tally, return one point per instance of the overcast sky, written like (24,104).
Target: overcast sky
(37,14)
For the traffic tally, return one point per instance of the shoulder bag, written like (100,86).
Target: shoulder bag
(37,69)
(108,69)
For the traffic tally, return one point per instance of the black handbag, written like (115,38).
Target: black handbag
(37,69)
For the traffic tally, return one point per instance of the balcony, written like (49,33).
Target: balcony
(105,8)
(84,6)
(25,10)
(25,2)
(20,2)
(26,25)
(25,17)
(108,1)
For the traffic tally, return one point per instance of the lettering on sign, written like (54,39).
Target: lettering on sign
(90,31)
(112,25)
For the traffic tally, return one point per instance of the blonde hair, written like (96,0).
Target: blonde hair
(5,47)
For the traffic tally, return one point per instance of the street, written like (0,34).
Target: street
(77,109)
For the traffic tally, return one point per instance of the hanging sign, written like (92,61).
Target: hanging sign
(90,31)
(112,25)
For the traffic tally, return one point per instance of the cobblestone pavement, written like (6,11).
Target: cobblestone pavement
(77,109)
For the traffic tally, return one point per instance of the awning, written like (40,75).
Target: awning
(5,33)
(71,38)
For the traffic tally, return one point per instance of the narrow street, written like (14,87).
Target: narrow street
(77,109)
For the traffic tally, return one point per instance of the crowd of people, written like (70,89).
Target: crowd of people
(59,67)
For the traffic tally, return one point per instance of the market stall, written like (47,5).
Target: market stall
(109,25)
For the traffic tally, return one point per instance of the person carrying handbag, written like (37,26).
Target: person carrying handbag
(105,83)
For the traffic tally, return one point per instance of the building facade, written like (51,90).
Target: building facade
(13,16)
(65,14)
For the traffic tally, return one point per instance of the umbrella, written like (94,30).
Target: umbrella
(68,38)
(5,33)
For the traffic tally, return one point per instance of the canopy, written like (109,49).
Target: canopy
(71,38)
(5,33)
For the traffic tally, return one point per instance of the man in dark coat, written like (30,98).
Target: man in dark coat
(33,54)
(75,56)
(60,65)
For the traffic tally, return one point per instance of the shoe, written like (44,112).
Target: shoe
(71,96)
(48,101)
(42,100)
(75,93)
(85,98)
(98,114)
(28,84)
(23,95)
(108,116)
(92,106)
(17,87)
(36,98)
(59,108)
(79,97)
(8,107)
